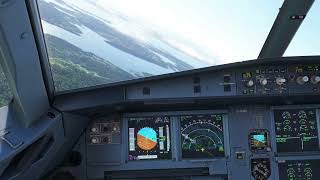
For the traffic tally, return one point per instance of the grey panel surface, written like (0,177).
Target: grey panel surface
(84,100)
(212,84)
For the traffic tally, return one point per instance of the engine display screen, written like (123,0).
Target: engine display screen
(202,136)
(149,138)
(299,169)
(296,130)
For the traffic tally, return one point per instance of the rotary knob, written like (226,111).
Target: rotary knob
(94,129)
(302,79)
(250,83)
(315,79)
(280,81)
(263,81)
(94,140)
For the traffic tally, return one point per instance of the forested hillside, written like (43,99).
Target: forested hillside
(73,68)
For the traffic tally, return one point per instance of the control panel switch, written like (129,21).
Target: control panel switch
(240,155)
(94,129)
(263,81)
(250,83)
(94,140)
(302,79)
(315,79)
(280,81)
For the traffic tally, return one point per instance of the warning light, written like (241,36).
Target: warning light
(297,17)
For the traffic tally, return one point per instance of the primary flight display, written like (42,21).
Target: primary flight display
(202,136)
(149,138)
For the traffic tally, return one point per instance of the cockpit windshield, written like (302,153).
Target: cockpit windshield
(94,42)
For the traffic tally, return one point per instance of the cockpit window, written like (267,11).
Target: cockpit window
(5,92)
(94,42)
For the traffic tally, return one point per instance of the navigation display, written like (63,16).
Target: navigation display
(149,138)
(259,140)
(299,169)
(296,130)
(202,136)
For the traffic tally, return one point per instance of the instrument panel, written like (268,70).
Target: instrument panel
(204,138)
(247,140)
(105,132)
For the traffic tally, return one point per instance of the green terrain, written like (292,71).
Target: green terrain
(72,68)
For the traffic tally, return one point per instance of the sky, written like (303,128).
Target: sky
(229,30)
(306,41)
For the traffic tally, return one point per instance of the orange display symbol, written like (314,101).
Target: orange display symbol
(145,143)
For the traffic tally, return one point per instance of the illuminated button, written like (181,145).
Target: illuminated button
(250,83)
(240,155)
(94,140)
(315,79)
(280,81)
(305,78)
(263,81)
(94,129)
